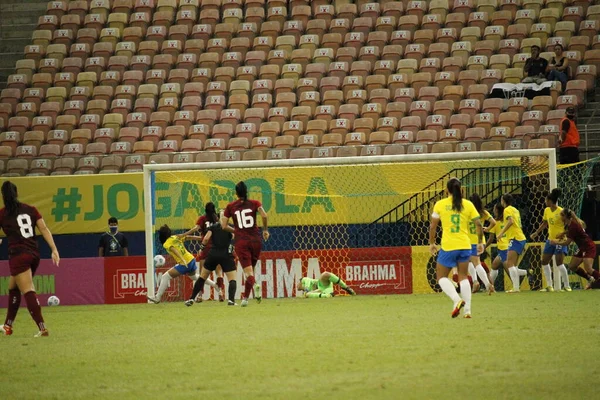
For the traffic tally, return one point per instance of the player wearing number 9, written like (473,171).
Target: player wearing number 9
(18,221)
(248,243)
(455,214)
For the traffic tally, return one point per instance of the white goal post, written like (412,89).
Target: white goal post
(150,170)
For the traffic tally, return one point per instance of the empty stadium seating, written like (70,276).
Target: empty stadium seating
(106,86)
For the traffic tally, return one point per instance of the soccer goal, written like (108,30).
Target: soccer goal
(364,218)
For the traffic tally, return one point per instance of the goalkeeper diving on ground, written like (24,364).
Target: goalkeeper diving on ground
(323,287)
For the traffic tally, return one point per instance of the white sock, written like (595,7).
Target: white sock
(164,284)
(472,272)
(514,277)
(449,290)
(210,283)
(564,275)
(522,272)
(465,293)
(482,275)
(494,275)
(548,274)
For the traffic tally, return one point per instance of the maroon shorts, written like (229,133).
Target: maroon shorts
(21,262)
(248,251)
(587,252)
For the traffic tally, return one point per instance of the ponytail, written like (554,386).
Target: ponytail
(454,189)
(570,214)
(499,211)
(554,195)
(210,212)
(10,197)
(508,199)
(241,190)
(476,200)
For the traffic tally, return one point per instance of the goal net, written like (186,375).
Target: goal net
(366,219)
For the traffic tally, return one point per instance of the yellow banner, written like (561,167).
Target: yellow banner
(83,203)
(292,196)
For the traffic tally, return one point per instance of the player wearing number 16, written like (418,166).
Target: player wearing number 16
(455,214)
(248,243)
(19,221)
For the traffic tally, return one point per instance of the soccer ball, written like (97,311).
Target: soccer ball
(53,301)
(159,261)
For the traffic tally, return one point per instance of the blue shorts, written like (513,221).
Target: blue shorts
(503,255)
(552,249)
(474,251)
(452,258)
(517,245)
(186,270)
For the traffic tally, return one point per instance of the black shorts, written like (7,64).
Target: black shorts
(225,260)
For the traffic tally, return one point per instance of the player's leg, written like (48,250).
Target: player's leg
(24,282)
(199,284)
(248,284)
(496,265)
(14,302)
(559,257)
(165,280)
(328,277)
(255,250)
(463,282)
(588,263)
(511,262)
(444,263)
(220,283)
(473,262)
(574,266)
(546,259)
(232,287)
(320,294)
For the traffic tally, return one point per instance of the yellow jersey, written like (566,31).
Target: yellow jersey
(176,242)
(473,229)
(502,244)
(515,231)
(555,225)
(455,225)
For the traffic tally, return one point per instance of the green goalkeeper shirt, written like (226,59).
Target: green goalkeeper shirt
(315,284)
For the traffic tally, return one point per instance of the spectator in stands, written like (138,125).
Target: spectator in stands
(113,243)
(568,151)
(535,67)
(559,67)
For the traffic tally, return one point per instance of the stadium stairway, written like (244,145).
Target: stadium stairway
(18,19)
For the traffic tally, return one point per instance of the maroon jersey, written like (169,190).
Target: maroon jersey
(244,218)
(203,223)
(20,229)
(576,233)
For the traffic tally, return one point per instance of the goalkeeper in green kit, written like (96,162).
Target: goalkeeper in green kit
(323,287)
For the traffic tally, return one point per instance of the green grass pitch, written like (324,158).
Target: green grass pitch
(525,346)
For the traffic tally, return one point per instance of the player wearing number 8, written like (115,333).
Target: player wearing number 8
(455,214)
(248,243)
(516,239)
(19,221)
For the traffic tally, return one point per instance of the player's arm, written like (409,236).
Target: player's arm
(125,246)
(206,239)
(491,224)
(175,253)
(101,249)
(564,241)
(490,240)
(192,231)
(479,229)
(47,235)
(539,230)
(509,223)
(265,229)
(435,220)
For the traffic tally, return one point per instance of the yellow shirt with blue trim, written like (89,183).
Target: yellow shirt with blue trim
(555,224)
(473,229)
(177,243)
(516,229)
(502,244)
(455,225)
